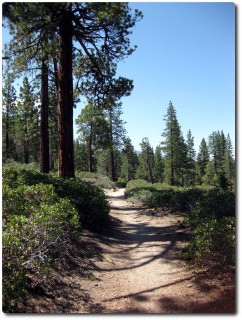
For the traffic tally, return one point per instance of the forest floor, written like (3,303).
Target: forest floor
(135,267)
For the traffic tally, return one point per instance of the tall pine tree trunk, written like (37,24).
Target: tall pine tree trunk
(65,99)
(44,124)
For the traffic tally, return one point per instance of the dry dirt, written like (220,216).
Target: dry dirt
(135,267)
(141,271)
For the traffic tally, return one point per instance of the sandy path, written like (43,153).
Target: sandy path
(140,270)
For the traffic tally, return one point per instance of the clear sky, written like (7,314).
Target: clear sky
(186,54)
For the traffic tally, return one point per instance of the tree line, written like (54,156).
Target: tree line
(108,150)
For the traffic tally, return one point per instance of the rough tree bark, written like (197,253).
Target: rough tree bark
(65,99)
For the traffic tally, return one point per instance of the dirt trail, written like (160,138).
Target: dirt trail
(140,270)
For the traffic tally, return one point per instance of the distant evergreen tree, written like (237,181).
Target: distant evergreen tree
(190,162)
(104,160)
(129,161)
(174,148)
(27,123)
(93,131)
(217,148)
(80,154)
(8,115)
(202,161)
(210,178)
(145,169)
(229,164)
(158,165)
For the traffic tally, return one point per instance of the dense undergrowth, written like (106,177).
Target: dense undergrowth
(209,211)
(41,215)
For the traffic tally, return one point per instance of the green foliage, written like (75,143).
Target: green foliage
(129,161)
(145,169)
(174,148)
(36,225)
(121,183)
(89,200)
(213,242)
(139,190)
(41,213)
(96,179)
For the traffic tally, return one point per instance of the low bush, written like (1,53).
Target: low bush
(213,242)
(96,179)
(41,215)
(90,201)
(138,190)
(36,225)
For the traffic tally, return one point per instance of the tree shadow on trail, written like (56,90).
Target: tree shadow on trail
(125,238)
(221,303)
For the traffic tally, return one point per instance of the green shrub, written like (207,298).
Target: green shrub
(41,213)
(213,220)
(96,179)
(137,189)
(21,166)
(213,241)
(33,237)
(90,201)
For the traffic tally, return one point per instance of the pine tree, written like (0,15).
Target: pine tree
(129,161)
(174,148)
(27,125)
(145,168)
(229,164)
(217,148)
(8,114)
(202,160)
(210,178)
(158,165)
(116,135)
(190,162)
(80,152)
(93,131)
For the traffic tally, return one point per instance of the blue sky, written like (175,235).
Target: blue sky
(186,54)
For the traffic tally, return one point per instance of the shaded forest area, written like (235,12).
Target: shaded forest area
(60,53)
